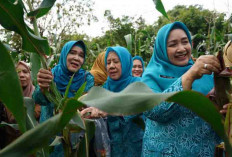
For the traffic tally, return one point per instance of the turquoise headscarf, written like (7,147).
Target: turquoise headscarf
(61,73)
(161,73)
(139,58)
(126,76)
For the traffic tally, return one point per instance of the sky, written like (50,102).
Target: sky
(144,8)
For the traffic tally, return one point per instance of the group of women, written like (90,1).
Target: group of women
(171,130)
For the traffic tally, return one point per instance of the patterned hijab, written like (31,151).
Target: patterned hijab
(61,73)
(161,73)
(98,70)
(141,60)
(27,92)
(126,76)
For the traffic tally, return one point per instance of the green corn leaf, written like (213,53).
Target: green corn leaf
(80,91)
(68,86)
(70,110)
(40,136)
(10,89)
(12,19)
(30,106)
(31,121)
(35,66)
(43,9)
(78,121)
(159,6)
(137,96)
(129,42)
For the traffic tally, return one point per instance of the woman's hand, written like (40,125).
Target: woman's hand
(224,110)
(94,113)
(205,64)
(44,78)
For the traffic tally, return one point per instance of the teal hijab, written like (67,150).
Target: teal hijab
(61,73)
(140,59)
(126,76)
(161,73)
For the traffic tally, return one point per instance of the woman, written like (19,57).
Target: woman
(71,59)
(125,135)
(8,134)
(138,66)
(173,130)
(98,70)
(26,84)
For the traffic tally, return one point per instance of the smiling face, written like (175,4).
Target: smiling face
(113,67)
(24,75)
(75,59)
(137,69)
(178,47)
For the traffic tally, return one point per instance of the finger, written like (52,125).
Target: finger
(225,106)
(45,71)
(210,68)
(95,113)
(44,86)
(223,111)
(41,80)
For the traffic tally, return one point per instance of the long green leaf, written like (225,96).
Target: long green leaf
(31,121)
(205,109)
(80,91)
(68,86)
(12,19)
(137,96)
(30,106)
(10,89)
(39,136)
(129,42)
(35,66)
(70,110)
(43,9)
(160,7)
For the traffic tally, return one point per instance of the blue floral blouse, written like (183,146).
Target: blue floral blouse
(174,131)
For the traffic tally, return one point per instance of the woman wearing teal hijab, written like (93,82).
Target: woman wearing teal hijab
(138,66)
(71,59)
(125,135)
(172,130)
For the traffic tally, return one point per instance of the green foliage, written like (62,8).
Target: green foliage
(12,19)
(43,9)
(137,97)
(140,98)
(10,89)
(160,8)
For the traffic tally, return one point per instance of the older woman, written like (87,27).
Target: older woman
(71,59)
(26,83)
(9,134)
(138,66)
(171,129)
(125,136)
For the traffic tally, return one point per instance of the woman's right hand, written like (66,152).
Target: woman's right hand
(205,64)
(44,78)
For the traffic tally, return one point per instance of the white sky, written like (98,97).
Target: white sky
(146,9)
